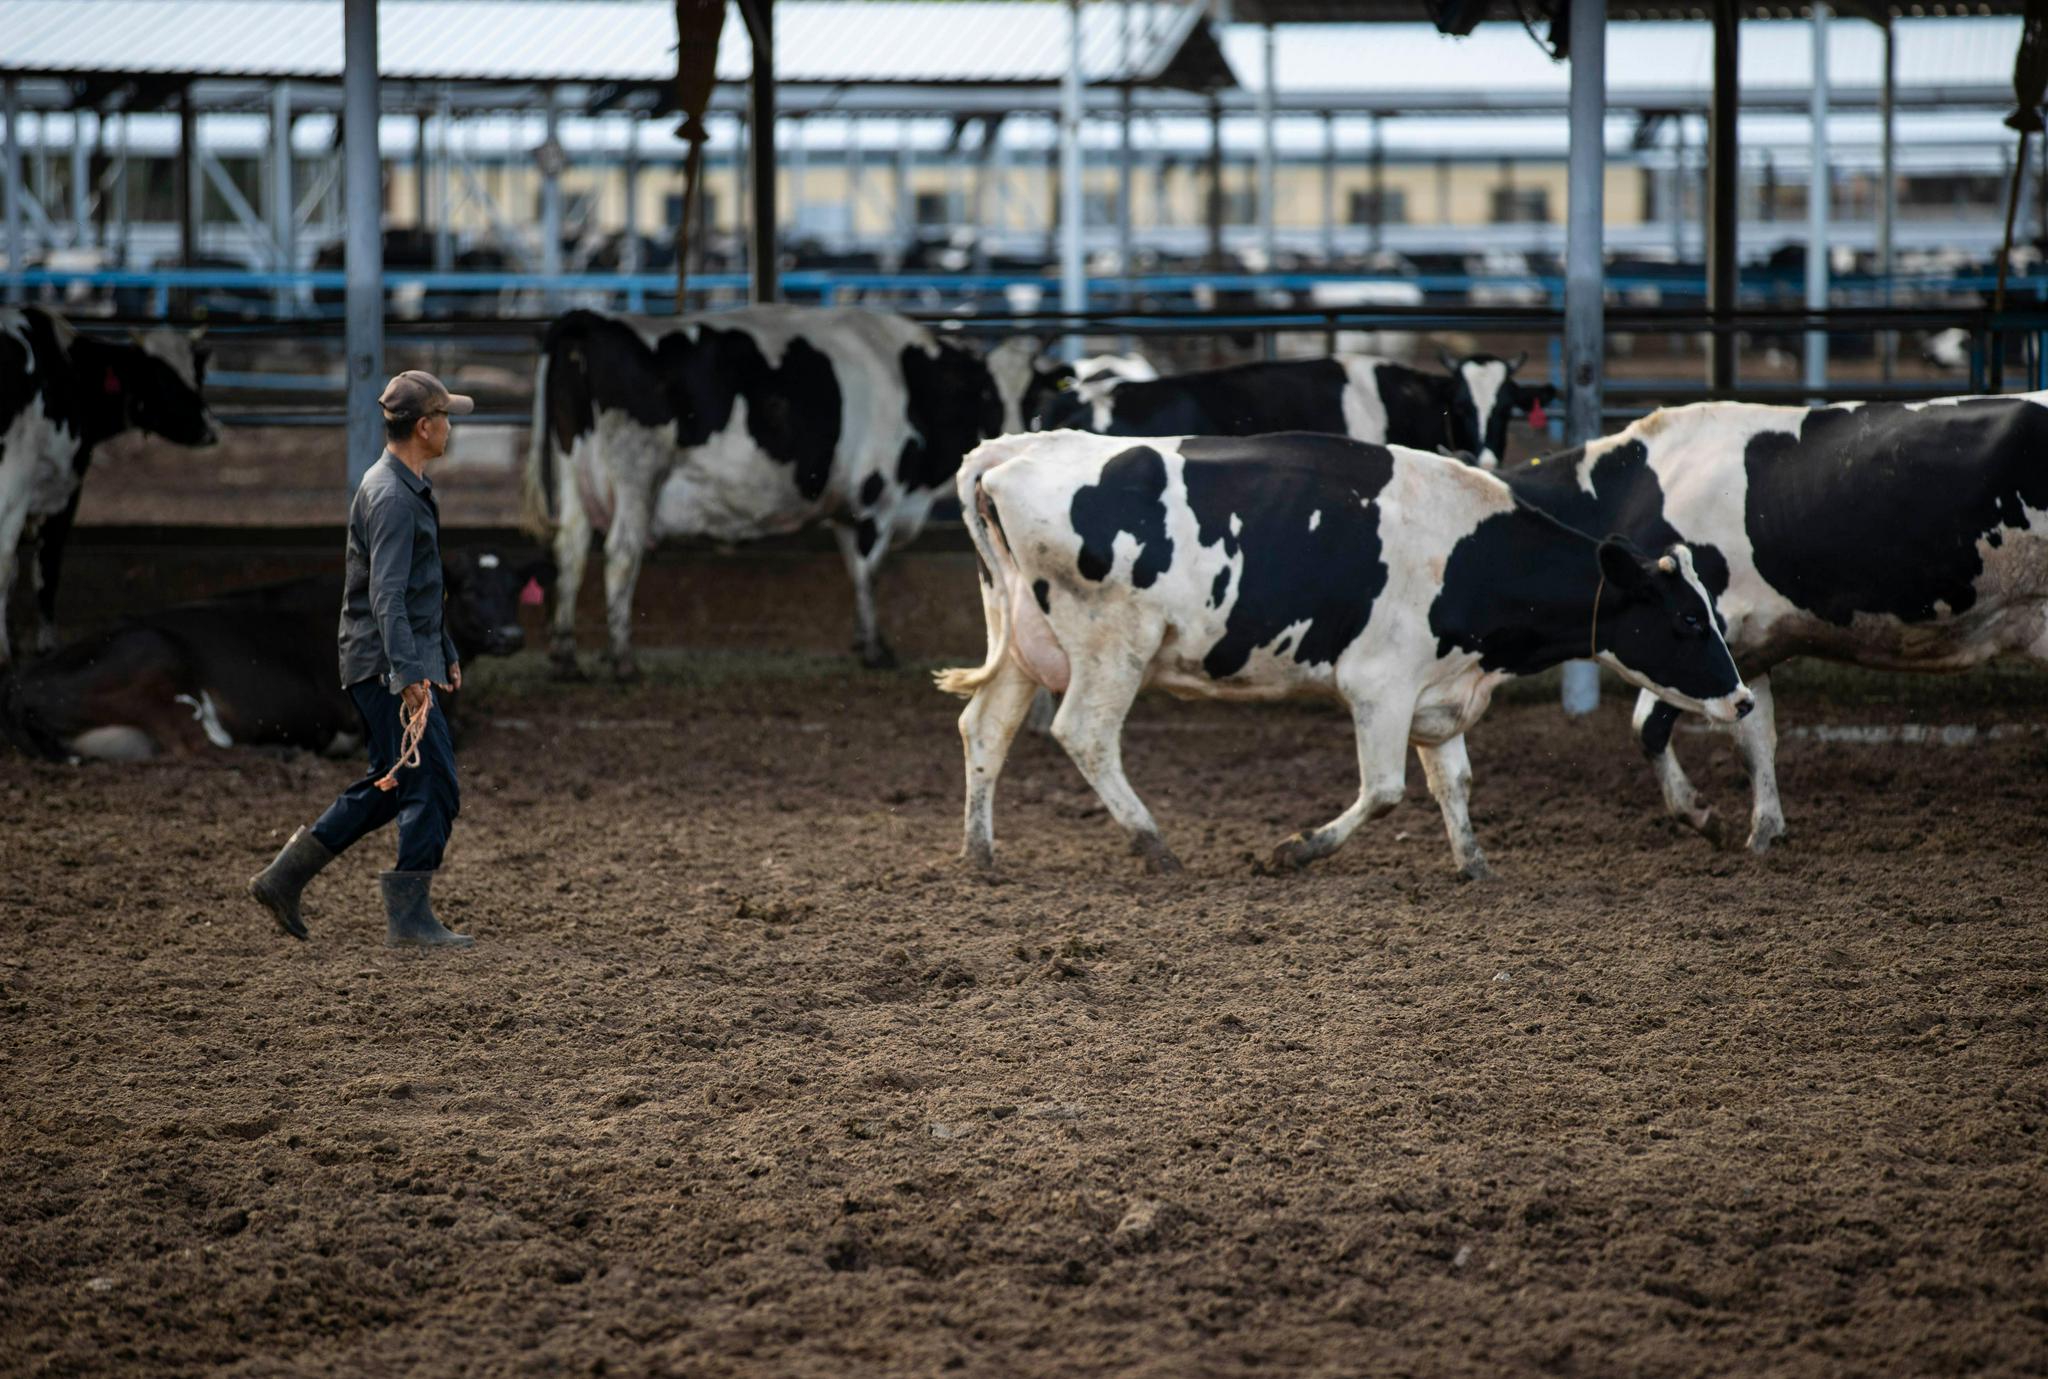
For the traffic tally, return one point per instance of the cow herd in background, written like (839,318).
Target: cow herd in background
(1341,527)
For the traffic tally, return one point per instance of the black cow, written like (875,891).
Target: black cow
(1900,536)
(61,394)
(254,667)
(1405,585)
(1465,409)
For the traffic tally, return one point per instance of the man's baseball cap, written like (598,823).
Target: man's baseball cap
(416,392)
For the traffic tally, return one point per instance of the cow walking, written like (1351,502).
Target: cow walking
(1898,536)
(1403,584)
(61,394)
(746,424)
(1465,409)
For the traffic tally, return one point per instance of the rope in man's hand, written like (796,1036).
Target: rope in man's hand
(415,731)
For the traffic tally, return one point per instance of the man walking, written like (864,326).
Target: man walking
(394,649)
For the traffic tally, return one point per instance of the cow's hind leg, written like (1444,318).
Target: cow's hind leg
(1756,738)
(1449,772)
(625,547)
(1382,734)
(1090,724)
(987,727)
(862,548)
(572,555)
(1653,722)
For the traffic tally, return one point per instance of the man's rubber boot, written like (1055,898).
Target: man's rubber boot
(278,886)
(409,916)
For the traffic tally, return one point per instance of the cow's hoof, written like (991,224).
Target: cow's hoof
(1289,857)
(566,668)
(1763,833)
(1475,870)
(625,670)
(1159,859)
(979,856)
(880,656)
(1714,830)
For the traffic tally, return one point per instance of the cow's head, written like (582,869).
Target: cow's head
(1484,396)
(157,385)
(485,593)
(1654,623)
(1022,382)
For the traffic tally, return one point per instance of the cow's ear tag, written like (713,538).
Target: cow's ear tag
(113,383)
(1537,416)
(531,596)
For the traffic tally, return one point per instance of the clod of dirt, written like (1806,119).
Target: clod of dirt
(1144,1226)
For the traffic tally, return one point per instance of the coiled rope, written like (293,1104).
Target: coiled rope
(414,732)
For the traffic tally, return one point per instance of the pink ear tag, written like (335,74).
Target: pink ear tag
(113,383)
(531,596)
(1537,416)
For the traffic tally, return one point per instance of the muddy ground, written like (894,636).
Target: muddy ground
(746,1076)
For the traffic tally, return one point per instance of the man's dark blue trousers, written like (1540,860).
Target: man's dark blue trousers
(427,798)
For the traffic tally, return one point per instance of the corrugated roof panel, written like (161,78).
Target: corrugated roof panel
(897,41)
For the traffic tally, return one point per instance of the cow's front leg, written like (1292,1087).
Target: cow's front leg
(1449,772)
(1756,739)
(987,727)
(625,546)
(1090,724)
(862,548)
(1653,722)
(572,555)
(1382,781)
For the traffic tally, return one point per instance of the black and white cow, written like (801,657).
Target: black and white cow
(1404,584)
(1464,409)
(61,394)
(1899,536)
(749,423)
(251,668)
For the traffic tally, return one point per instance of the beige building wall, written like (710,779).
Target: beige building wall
(1018,198)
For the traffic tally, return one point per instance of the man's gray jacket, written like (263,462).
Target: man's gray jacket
(391,624)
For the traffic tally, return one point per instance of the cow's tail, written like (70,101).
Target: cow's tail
(998,568)
(537,487)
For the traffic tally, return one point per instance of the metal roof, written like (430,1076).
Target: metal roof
(1941,63)
(817,41)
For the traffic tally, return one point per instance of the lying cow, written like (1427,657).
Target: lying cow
(1465,409)
(255,667)
(61,394)
(1897,536)
(1403,584)
(746,424)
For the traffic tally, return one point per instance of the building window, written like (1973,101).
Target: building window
(1943,194)
(1389,207)
(672,208)
(1521,205)
(934,209)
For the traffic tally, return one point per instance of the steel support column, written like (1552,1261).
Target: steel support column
(443,203)
(1819,188)
(364,291)
(17,241)
(1269,234)
(1073,213)
(551,161)
(1584,283)
(1723,197)
(760,16)
(279,207)
(185,179)
(81,182)
(1887,198)
(629,246)
(1329,189)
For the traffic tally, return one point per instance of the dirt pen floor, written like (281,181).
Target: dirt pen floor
(747,1076)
